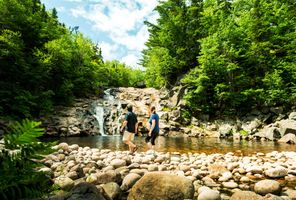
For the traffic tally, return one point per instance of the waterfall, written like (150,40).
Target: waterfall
(99,115)
(108,96)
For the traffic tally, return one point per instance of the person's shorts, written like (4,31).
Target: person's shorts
(128,136)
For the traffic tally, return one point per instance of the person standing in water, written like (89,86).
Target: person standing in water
(129,129)
(154,129)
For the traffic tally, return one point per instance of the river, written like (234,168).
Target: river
(182,144)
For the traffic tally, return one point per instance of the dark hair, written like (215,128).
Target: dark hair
(152,109)
(130,108)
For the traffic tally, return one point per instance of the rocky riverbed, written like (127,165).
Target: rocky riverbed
(108,174)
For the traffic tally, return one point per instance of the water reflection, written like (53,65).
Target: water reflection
(183,144)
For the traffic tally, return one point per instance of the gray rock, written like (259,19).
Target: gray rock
(292,116)
(109,176)
(82,191)
(160,185)
(291,193)
(209,195)
(116,163)
(288,138)
(112,190)
(287,126)
(209,182)
(267,186)
(277,172)
(241,195)
(270,133)
(230,184)
(65,183)
(129,180)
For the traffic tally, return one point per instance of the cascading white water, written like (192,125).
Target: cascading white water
(107,95)
(99,115)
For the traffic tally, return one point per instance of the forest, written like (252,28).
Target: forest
(44,63)
(233,56)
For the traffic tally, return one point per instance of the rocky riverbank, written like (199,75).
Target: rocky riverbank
(118,175)
(83,117)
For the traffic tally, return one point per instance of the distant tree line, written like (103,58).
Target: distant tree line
(43,63)
(233,55)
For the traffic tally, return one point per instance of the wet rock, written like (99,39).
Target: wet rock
(161,186)
(267,186)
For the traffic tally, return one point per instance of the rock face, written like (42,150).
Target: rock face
(161,186)
(105,115)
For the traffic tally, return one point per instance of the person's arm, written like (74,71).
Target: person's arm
(136,128)
(152,127)
(123,126)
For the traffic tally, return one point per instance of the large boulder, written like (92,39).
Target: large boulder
(267,186)
(162,186)
(287,126)
(270,133)
(289,138)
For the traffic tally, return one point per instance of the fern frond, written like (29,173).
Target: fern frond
(19,159)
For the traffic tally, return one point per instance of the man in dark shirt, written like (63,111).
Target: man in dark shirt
(130,125)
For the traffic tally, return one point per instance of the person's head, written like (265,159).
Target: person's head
(152,109)
(130,108)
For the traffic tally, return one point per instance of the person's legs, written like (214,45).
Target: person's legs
(153,138)
(127,139)
(147,140)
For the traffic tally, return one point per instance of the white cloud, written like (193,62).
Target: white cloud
(108,50)
(122,21)
(131,60)
(61,9)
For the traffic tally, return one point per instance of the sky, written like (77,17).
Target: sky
(117,25)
